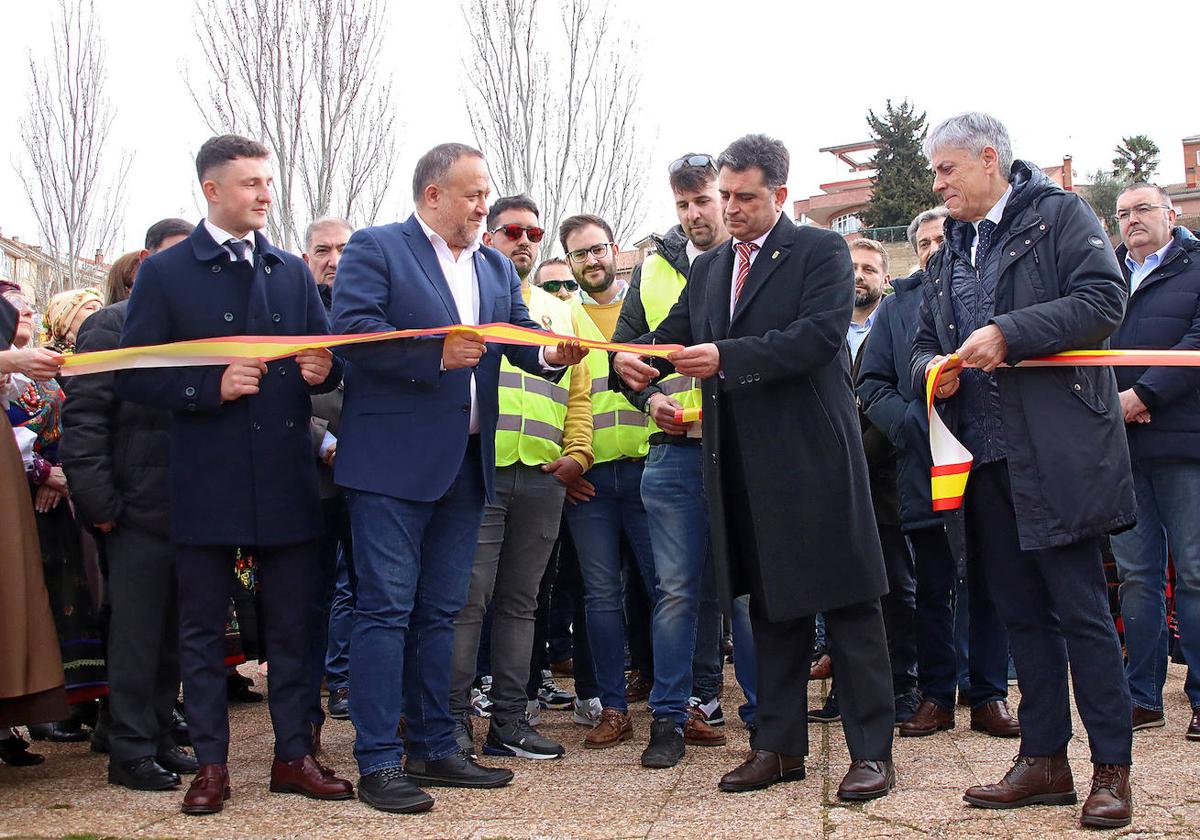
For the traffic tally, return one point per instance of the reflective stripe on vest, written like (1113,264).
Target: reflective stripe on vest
(618,429)
(533,411)
(660,287)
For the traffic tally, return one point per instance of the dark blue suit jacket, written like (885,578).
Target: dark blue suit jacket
(405,421)
(242,472)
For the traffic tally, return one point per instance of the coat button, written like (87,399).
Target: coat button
(951,326)
(276,317)
(1041,227)
(289,424)
(216,269)
(466,409)
(282,370)
(229,317)
(189,391)
(1012,253)
(714,457)
(256,427)
(757,377)
(1028,241)
(1078,387)
(267,269)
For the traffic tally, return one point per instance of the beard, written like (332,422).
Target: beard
(866,297)
(609,276)
(702,237)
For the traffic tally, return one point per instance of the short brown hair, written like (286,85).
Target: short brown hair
(688,178)
(224,148)
(865,244)
(573,223)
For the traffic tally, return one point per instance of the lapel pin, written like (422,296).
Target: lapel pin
(775,255)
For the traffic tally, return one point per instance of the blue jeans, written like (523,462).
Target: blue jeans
(413,561)
(673,494)
(745,663)
(596,527)
(1167,496)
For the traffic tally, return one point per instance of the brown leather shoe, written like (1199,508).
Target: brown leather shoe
(209,791)
(1148,718)
(867,780)
(761,769)
(613,728)
(308,778)
(1110,804)
(637,687)
(822,668)
(1193,730)
(697,732)
(995,719)
(929,719)
(1030,781)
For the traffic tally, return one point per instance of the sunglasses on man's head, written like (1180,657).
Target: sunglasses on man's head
(698,161)
(552,286)
(514,231)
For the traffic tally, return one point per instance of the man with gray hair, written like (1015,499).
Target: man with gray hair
(1026,271)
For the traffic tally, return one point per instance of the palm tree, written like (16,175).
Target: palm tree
(1136,160)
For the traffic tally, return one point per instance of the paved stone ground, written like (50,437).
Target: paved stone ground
(607,794)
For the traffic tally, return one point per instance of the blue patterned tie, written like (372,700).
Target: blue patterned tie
(239,248)
(983,241)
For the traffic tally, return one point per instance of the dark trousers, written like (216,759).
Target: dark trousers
(143,642)
(900,608)
(287,578)
(336,542)
(987,639)
(1054,603)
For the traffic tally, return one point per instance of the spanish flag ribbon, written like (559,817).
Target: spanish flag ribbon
(688,415)
(225,349)
(952,460)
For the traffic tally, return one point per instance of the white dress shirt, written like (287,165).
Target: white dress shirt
(736,259)
(994,215)
(223,236)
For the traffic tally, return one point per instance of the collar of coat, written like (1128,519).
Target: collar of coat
(1182,241)
(1029,184)
(206,248)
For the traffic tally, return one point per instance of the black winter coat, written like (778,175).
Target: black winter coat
(784,396)
(1059,289)
(885,390)
(116,454)
(1164,314)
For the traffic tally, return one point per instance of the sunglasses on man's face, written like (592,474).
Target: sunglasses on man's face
(552,286)
(514,231)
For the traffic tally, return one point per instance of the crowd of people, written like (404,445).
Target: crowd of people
(435,529)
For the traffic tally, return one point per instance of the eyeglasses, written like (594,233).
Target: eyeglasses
(699,161)
(599,251)
(1140,210)
(514,231)
(552,286)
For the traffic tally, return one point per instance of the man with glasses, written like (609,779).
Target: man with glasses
(686,624)
(1161,408)
(554,276)
(611,502)
(543,446)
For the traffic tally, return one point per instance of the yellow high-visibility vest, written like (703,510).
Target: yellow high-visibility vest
(661,285)
(618,429)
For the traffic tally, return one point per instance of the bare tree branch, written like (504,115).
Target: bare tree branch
(77,202)
(312,93)
(556,114)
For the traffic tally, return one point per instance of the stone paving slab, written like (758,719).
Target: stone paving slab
(607,794)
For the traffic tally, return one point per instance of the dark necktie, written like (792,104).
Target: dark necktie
(239,248)
(983,242)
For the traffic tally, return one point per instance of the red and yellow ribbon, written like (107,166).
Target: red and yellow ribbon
(688,415)
(952,460)
(226,349)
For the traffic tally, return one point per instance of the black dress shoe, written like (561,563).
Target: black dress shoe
(391,790)
(339,704)
(177,761)
(238,690)
(14,751)
(141,774)
(61,731)
(179,727)
(456,770)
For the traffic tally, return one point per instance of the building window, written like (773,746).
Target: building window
(6,266)
(848,223)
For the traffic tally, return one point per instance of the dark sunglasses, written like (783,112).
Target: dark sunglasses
(699,161)
(552,286)
(514,231)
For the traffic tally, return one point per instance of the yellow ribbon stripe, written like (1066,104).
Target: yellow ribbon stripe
(223,350)
(688,415)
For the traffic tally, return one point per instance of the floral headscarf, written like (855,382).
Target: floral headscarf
(60,314)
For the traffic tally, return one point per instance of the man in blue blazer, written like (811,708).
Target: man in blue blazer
(242,472)
(416,457)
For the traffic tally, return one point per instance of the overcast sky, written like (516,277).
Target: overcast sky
(1055,72)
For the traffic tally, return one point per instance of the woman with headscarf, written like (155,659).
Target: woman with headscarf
(35,411)
(65,314)
(31,672)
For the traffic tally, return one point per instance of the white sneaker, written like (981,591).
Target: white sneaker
(533,713)
(587,712)
(481,704)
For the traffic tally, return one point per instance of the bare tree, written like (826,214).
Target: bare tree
(557,114)
(312,92)
(77,202)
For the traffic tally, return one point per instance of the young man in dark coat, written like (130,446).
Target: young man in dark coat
(1026,271)
(764,317)
(242,472)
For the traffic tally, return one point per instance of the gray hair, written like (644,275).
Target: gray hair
(435,163)
(324,221)
(973,131)
(922,218)
(767,153)
(1146,185)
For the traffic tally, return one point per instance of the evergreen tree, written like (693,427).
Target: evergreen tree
(1102,195)
(1136,160)
(902,184)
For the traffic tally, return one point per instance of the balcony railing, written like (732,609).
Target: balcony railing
(886,234)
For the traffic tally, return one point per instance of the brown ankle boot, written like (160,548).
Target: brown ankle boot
(1031,781)
(1110,804)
